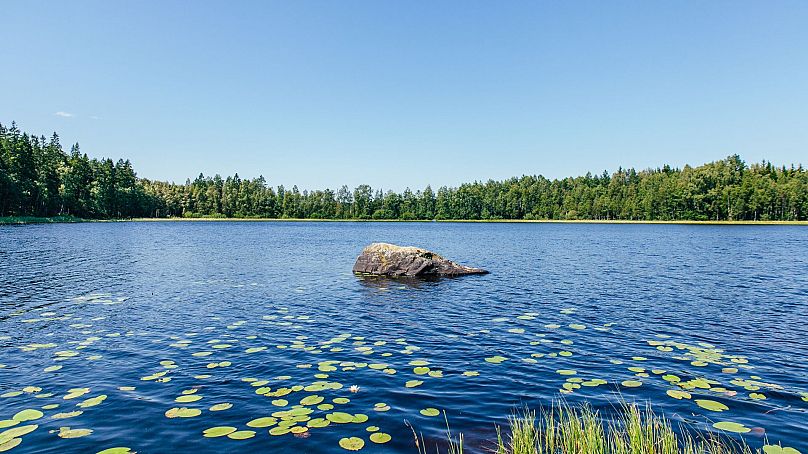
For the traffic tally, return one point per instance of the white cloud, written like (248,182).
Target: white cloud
(64,114)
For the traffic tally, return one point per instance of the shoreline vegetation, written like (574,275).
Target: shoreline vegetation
(39,179)
(20,220)
(567,429)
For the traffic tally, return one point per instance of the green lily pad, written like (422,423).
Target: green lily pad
(359,418)
(188,398)
(218,431)
(221,407)
(183,412)
(339,417)
(380,437)
(241,435)
(678,394)
(267,421)
(311,400)
(352,443)
(776,449)
(711,405)
(27,415)
(430,412)
(67,432)
(413,383)
(496,359)
(631,383)
(732,427)
(317,423)
(116,450)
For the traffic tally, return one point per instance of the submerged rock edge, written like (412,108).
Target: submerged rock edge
(385,259)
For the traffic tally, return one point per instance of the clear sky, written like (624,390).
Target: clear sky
(405,93)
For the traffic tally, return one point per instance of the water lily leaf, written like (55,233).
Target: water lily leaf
(67,432)
(183,412)
(380,437)
(221,407)
(731,427)
(413,383)
(430,412)
(262,422)
(711,405)
(360,418)
(10,444)
(340,400)
(311,400)
(776,449)
(496,359)
(352,443)
(27,415)
(116,450)
(241,435)
(631,383)
(317,423)
(678,394)
(339,417)
(218,431)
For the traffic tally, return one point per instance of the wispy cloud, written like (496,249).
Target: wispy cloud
(64,114)
(95,117)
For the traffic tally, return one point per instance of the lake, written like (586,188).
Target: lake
(149,333)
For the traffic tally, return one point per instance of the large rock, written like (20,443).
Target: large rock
(390,260)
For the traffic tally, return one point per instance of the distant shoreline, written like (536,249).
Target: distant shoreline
(16,220)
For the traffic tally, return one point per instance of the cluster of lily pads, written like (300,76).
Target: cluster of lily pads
(314,398)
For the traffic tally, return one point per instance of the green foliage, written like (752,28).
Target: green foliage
(580,430)
(37,178)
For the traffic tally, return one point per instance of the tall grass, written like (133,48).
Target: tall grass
(564,429)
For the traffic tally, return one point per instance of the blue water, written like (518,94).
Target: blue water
(110,301)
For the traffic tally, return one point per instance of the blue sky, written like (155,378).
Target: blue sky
(397,94)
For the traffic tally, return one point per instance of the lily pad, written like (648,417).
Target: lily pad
(732,427)
(218,431)
(631,383)
(67,432)
(430,412)
(27,415)
(340,417)
(352,443)
(267,421)
(241,435)
(711,405)
(380,437)
(496,359)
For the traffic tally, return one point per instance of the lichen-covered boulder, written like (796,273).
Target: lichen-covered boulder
(390,260)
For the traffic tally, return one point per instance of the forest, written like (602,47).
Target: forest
(39,178)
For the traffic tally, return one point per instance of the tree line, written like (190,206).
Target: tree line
(38,178)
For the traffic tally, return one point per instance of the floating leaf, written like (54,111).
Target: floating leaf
(352,443)
(241,435)
(711,405)
(678,394)
(67,432)
(340,417)
(413,383)
(380,437)
(776,449)
(311,400)
(218,431)
(631,383)
(731,427)
(183,412)
(116,450)
(496,359)
(430,412)
(262,422)
(222,406)
(188,398)
(27,415)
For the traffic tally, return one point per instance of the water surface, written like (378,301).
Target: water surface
(142,312)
